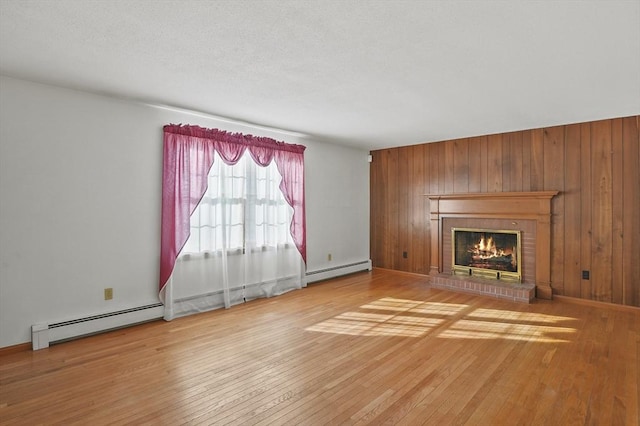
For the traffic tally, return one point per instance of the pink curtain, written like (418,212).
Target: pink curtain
(188,157)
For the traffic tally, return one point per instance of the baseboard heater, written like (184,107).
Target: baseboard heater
(337,271)
(44,334)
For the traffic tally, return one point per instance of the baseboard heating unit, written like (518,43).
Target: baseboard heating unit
(44,334)
(336,271)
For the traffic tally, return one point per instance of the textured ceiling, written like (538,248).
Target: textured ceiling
(366,73)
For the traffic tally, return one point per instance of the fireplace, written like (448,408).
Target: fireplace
(486,253)
(525,215)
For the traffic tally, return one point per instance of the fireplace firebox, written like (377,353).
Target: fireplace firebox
(487,253)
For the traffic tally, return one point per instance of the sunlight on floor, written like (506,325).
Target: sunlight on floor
(359,324)
(517,316)
(412,322)
(414,318)
(414,306)
(467,329)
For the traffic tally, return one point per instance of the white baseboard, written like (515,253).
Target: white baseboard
(337,271)
(43,334)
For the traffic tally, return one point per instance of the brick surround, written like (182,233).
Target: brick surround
(528,241)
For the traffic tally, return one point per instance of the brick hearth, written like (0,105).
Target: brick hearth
(524,293)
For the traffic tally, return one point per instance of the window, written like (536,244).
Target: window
(239,229)
(242,210)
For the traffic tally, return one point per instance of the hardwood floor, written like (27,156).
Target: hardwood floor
(370,348)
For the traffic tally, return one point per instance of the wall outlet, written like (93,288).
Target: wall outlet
(404,254)
(108,293)
(329,257)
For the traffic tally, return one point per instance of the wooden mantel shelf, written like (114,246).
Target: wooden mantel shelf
(496,195)
(534,205)
(510,205)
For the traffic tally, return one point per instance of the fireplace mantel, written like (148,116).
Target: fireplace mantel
(504,205)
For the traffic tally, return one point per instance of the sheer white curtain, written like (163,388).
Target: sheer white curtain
(240,245)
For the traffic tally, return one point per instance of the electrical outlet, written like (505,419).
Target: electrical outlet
(329,257)
(404,254)
(108,293)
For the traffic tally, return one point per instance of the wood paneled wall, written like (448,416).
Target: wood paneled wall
(596,216)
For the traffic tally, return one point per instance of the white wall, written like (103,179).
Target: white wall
(80,187)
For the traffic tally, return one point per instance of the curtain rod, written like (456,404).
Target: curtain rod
(225,119)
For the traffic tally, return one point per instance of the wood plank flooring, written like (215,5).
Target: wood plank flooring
(370,348)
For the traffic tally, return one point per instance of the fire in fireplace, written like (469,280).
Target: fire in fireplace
(486,253)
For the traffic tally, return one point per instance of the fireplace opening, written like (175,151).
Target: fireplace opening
(487,253)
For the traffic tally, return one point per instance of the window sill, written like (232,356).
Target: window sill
(232,252)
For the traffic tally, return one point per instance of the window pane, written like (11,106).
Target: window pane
(243,207)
